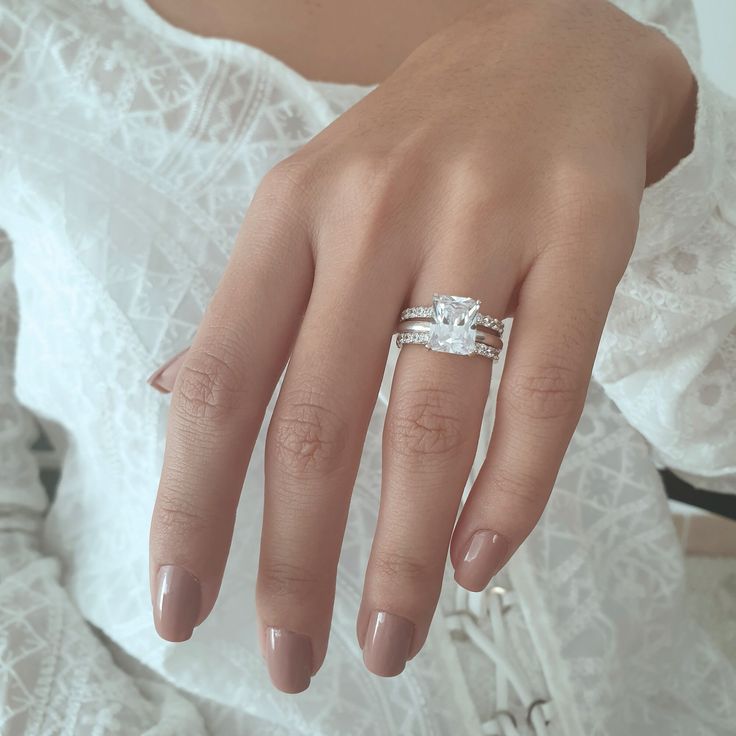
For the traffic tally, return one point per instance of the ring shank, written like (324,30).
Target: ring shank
(418,338)
(417,326)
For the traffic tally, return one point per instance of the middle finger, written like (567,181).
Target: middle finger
(313,449)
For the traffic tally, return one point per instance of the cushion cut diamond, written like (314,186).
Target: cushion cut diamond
(452,330)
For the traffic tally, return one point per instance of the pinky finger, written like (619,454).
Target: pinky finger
(557,327)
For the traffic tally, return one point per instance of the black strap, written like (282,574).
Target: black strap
(723,504)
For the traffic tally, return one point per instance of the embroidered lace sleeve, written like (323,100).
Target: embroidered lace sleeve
(668,353)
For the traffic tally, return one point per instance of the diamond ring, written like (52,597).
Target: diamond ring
(453,324)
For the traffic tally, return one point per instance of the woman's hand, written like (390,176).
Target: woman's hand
(504,160)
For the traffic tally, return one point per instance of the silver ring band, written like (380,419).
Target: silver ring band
(418,338)
(481,320)
(425,327)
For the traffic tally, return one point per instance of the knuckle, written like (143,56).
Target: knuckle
(377,183)
(404,567)
(422,424)
(180,518)
(288,181)
(472,192)
(291,498)
(281,579)
(306,436)
(208,384)
(551,391)
(578,204)
(525,490)
(281,201)
(574,181)
(368,171)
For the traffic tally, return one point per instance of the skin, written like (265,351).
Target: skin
(333,40)
(505,158)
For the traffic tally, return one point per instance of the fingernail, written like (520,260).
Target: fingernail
(387,643)
(178,600)
(289,659)
(163,378)
(484,555)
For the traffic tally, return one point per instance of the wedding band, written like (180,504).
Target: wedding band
(404,338)
(480,320)
(425,327)
(451,325)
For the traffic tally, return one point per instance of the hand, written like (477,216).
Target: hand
(505,159)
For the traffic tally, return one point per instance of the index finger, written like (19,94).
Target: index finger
(218,403)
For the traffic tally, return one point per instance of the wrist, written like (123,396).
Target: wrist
(674,100)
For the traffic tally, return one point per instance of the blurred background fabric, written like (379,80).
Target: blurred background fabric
(717,24)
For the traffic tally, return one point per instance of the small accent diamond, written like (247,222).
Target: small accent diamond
(487,350)
(490,322)
(403,338)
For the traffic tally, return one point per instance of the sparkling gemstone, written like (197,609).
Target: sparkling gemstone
(452,330)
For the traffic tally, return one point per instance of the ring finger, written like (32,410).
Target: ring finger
(429,442)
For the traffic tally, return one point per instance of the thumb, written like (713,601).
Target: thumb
(163,378)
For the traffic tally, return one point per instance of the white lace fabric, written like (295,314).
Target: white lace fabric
(129,151)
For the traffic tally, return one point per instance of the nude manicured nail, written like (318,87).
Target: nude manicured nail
(162,379)
(484,555)
(177,604)
(289,659)
(387,643)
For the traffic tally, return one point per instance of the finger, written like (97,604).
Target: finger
(562,307)
(219,397)
(313,449)
(429,442)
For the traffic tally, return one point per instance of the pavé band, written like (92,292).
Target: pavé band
(481,320)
